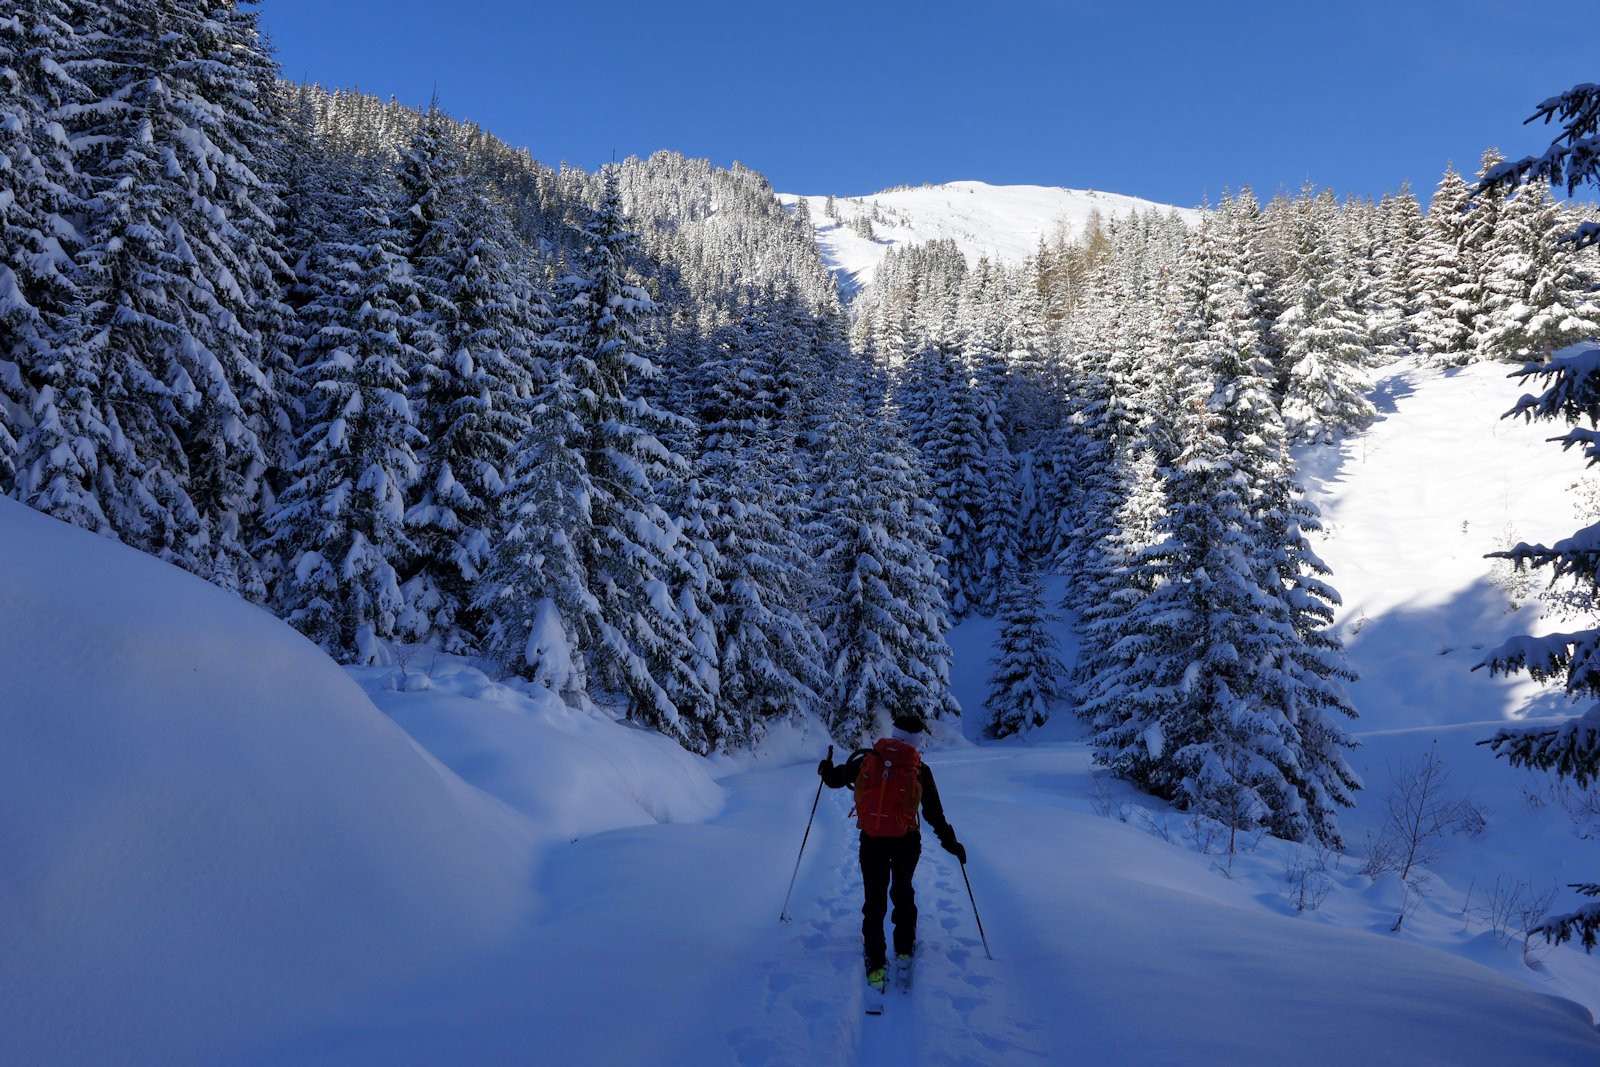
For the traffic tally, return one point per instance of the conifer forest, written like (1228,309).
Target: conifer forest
(614,431)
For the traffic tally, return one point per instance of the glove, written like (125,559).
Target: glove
(956,849)
(824,768)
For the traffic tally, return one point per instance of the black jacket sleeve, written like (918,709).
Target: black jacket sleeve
(843,775)
(933,810)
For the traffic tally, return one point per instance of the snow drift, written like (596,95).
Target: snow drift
(571,773)
(208,829)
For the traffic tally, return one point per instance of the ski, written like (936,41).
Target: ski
(874,1000)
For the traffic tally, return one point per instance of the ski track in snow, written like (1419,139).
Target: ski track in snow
(956,1011)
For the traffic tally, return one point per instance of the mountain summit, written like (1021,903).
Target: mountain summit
(1003,222)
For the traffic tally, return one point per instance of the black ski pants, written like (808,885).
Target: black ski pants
(887,864)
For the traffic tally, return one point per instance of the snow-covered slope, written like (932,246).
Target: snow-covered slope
(1410,507)
(1003,222)
(210,835)
(207,828)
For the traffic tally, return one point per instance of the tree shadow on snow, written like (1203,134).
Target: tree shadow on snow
(1387,392)
(1416,663)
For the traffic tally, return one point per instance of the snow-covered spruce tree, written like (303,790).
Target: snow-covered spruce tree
(1197,706)
(477,400)
(1570,160)
(802,356)
(1107,580)
(466,389)
(769,651)
(130,330)
(1445,317)
(657,648)
(1400,288)
(257,111)
(341,526)
(1570,749)
(880,596)
(1226,334)
(173,273)
(1358,244)
(1111,427)
(1321,384)
(1316,670)
(1222,336)
(1485,238)
(998,519)
(533,597)
(1033,387)
(1537,296)
(944,420)
(153,403)
(1238,317)
(1028,676)
(1122,434)
(431,195)
(37,195)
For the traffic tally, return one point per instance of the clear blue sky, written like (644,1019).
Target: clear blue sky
(1171,101)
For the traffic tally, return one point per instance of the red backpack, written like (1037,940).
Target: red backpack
(889,789)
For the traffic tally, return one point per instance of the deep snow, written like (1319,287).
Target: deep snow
(212,836)
(221,848)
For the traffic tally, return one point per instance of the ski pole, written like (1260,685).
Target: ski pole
(970,897)
(783,916)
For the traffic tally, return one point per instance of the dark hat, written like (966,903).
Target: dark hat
(909,724)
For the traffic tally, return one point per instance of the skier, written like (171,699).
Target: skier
(891,782)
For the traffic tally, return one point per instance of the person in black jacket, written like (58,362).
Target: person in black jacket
(887,863)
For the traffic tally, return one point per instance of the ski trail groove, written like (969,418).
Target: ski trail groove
(959,1011)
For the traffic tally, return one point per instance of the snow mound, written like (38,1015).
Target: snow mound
(1003,222)
(572,773)
(210,834)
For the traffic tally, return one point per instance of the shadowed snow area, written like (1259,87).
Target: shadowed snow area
(208,830)
(1409,509)
(210,833)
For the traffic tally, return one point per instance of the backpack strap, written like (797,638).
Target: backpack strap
(858,754)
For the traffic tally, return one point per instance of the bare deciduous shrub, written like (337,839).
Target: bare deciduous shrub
(1419,813)
(1306,871)
(1101,797)
(1515,909)
(1156,826)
